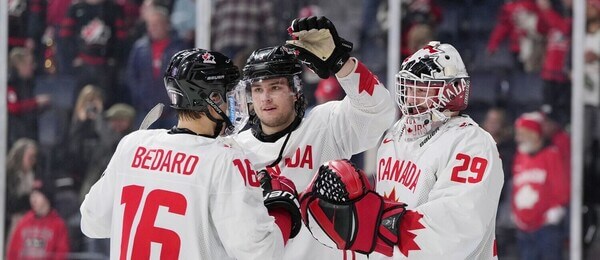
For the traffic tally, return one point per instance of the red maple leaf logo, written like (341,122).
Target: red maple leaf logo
(430,49)
(367,80)
(409,222)
(391,196)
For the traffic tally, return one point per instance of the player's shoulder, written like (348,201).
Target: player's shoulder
(463,124)
(228,145)
(467,130)
(144,134)
(320,115)
(324,108)
(246,138)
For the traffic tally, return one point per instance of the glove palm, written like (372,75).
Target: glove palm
(318,45)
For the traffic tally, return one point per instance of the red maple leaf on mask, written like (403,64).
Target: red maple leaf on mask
(367,80)
(409,222)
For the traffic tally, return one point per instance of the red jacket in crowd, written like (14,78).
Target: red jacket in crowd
(558,40)
(507,24)
(562,141)
(39,238)
(540,183)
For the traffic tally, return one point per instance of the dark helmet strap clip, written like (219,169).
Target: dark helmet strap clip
(220,112)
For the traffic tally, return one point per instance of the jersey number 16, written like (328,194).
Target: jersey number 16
(146,232)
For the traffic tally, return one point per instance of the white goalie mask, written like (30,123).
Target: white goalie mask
(432,83)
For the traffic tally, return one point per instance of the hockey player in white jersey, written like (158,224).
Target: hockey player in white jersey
(183,193)
(294,146)
(439,175)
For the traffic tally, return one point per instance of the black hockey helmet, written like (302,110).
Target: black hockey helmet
(198,78)
(272,62)
(194,75)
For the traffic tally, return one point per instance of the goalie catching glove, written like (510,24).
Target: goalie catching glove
(342,211)
(280,193)
(318,44)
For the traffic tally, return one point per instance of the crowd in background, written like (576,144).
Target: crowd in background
(83,73)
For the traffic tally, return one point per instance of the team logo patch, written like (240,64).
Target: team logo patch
(208,58)
(423,67)
(96,32)
(288,50)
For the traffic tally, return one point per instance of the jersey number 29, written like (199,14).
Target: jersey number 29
(146,232)
(475,166)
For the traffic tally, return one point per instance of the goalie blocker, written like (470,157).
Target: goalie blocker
(342,211)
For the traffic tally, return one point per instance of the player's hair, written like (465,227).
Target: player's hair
(185,114)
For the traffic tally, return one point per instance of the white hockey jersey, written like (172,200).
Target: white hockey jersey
(334,130)
(452,178)
(179,196)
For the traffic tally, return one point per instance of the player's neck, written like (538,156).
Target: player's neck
(201,126)
(271,130)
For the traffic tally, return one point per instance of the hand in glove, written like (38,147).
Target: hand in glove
(279,192)
(318,44)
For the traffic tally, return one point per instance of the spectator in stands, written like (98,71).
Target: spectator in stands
(23,105)
(20,175)
(328,90)
(418,23)
(517,20)
(183,20)
(147,62)
(497,123)
(92,40)
(120,122)
(418,36)
(26,23)
(554,132)
(540,193)
(83,133)
(592,55)
(242,24)
(41,233)
(557,86)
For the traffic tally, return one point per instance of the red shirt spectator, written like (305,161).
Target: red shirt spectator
(557,29)
(41,233)
(508,24)
(540,184)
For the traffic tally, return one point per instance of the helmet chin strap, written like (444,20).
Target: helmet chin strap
(219,122)
(417,126)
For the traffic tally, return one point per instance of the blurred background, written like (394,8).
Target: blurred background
(81,74)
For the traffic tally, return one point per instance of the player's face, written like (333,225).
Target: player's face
(273,102)
(419,94)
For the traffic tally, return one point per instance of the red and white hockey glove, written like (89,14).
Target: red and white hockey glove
(318,44)
(280,194)
(342,211)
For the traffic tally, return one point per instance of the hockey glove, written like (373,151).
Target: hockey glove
(280,193)
(319,45)
(342,211)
